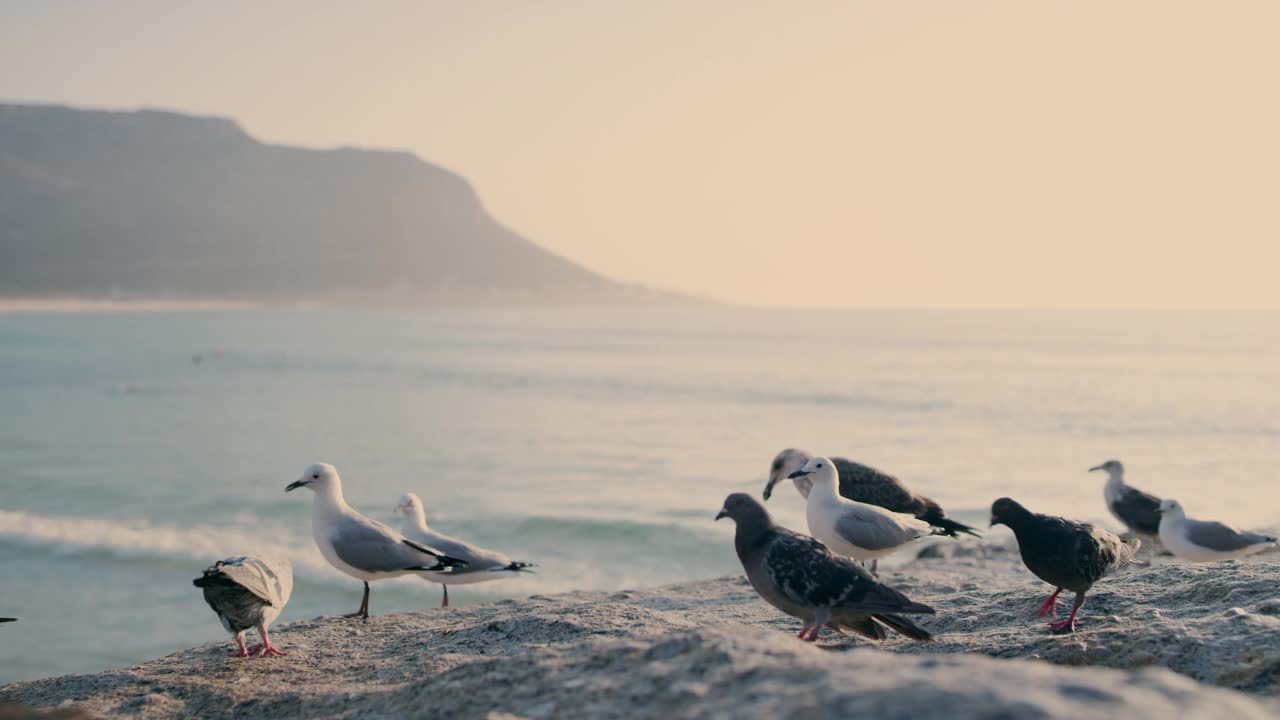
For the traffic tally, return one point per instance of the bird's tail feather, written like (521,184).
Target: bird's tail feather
(903,626)
(951,528)
(863,626)
(516,567)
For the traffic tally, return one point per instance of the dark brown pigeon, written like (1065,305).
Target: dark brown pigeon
(802,578)
(1068,555)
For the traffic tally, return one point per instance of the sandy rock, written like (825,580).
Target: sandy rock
(712,649)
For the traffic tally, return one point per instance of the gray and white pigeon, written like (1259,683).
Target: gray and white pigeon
(1068,555)
(1205,540)
(482,565)
(865,484)
(363,548)
(801,577)
(1137,510)
(248,592)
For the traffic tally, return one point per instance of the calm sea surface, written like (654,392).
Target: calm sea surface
(597,443)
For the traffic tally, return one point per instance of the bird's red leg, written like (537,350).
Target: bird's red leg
(267,648)
(804,630)
(1050,605)
(242,652)
(1070,623)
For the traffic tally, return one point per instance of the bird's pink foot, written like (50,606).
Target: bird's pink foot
(803,631)
(1050,605)
(1068,625)
(265,650)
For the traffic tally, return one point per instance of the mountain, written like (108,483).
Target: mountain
(155,204)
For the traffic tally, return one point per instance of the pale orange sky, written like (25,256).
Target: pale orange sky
(1013,154)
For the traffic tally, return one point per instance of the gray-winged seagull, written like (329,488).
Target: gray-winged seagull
(865,484)
(482,565)
(1137,510)
(365,549)
(861,531)
(1205,541)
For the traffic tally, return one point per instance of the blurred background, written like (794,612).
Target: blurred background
(572,272)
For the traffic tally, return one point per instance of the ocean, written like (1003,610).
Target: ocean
(137,448)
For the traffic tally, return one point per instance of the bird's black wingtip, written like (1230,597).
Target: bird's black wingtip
(951,528)
(521,566)
(4,620)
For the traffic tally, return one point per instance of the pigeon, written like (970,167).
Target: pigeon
(801,577)
(1205,541)
(1132,507)
(248,592)
(865,484)
(1068,555)
(365,549)
(858,530)
(482,565)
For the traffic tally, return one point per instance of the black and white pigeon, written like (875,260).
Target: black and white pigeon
(1137,510)
(248,592)
(1068,555)
(865,484)
(801,577)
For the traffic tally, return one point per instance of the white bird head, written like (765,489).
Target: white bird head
(818,470)
(317,478)
(409,505)
(784,464)
(1169,506)
(1113,468)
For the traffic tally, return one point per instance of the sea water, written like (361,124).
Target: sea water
(138,448)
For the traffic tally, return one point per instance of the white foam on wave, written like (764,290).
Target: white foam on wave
(203,543)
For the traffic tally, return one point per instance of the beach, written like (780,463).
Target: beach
(1160,640)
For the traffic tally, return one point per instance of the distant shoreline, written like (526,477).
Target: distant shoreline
(9,306)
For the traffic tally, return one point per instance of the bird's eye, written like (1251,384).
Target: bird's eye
(315,476)
(819,464)
(737,503)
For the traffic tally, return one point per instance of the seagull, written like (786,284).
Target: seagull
(1205,541)
(858,530)
(248,592)
(865,484)
(482,565)
(1067,554)
(802,578)
(365,549)
(1132,507)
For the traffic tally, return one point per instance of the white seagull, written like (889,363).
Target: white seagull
(365,549)
(1205,541)
(482,565)
(861,531)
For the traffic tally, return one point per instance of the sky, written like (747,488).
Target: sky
(937,154)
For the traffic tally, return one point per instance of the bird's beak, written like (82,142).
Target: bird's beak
(1096,467)
(768,490)
(799,474)
(722,513)
(295,485)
